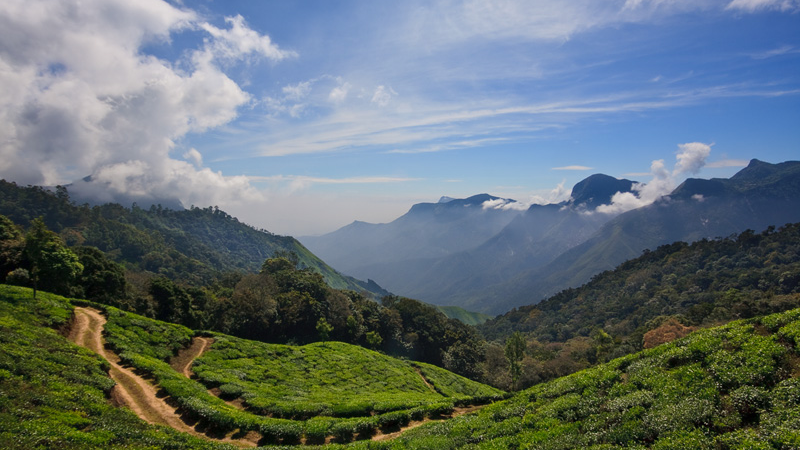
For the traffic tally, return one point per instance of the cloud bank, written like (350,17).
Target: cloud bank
(80,96)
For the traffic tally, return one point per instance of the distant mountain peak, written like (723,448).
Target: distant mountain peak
(597,190)
(445,199)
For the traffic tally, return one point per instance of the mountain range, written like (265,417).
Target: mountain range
(482,254)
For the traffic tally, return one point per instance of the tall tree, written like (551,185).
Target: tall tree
(11,246)
(54,267)
(515,351)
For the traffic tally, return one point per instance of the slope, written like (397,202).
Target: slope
(703,283)
(732,387)
(55,394)
(395,393)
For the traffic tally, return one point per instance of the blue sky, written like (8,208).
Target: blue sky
(300,117)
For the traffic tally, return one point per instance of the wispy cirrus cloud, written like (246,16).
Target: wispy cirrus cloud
(433,127)
(572,168)
(294,183)
(756,5)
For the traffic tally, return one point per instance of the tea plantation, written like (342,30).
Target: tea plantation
(53,394)
(731,387)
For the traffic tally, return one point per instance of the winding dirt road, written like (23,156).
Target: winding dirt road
(182,362)
(131,390)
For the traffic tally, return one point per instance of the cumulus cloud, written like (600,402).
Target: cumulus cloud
(194,156)
(556,195)
(689,160)
(692,157)
(80,97)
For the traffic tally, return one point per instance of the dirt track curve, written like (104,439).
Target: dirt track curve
(182,363)
(131,390)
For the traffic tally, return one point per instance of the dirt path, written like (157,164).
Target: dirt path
(459,411)
(182,362)
(131,390)
(425,380)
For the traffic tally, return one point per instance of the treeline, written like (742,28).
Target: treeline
(663,294)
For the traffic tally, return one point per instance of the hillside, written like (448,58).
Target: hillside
(703,283)
(732,387)
(193,245)
(396,393)
(660,296)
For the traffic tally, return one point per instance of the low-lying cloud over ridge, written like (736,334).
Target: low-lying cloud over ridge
(690,159)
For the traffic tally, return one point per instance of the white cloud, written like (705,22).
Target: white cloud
(80,97)
(339,93)
(756,5)
(572,168)
(783,50)
(297,91)
(690,159)
(194,156)
(240,41)
(383,95)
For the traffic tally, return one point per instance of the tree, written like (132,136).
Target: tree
(54,267)
(102,280)
(515,351)
(324,329)
(11,247)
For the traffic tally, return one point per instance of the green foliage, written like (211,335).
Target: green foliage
(701,284)
(54,267)
(683,395)
(515,351)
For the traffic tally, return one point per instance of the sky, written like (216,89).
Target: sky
(300,117)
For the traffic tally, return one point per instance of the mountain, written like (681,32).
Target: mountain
(759,196)
(427,230)
(442,259)
(193,245)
